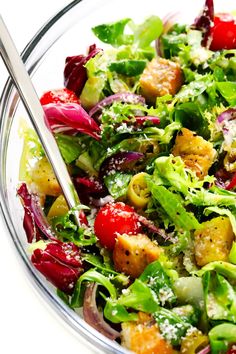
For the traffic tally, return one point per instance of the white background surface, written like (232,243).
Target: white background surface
(27,324)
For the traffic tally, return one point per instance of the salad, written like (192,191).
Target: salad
(146,124)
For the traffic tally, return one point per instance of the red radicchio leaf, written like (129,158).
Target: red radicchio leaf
(70,117)
(89,188)
(126,97)
(93,317)
(141,120)
(35,223)
(91,185)
(75,74)
(121,161)
(205,21)
(60,263)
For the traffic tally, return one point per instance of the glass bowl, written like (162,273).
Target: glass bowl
(67,33)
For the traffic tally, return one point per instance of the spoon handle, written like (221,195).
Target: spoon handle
(25,88)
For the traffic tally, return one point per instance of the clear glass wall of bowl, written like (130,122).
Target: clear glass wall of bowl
(68,33)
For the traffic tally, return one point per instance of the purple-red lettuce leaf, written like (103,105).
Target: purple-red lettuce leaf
(35,223)
(70,118)
(205,21)
(75,74)
(60,263)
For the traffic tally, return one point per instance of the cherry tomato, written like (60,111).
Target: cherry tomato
(223,32)
(114,219)
(62,95)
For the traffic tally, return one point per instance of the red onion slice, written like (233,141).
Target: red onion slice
(229,114)
(126,97)
(152,227)
(223,122)
(121,161)
(93,317)
(206,350)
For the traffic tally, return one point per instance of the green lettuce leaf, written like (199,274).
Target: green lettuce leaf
(67,230)
(194,88)
(224,268)
(92,276)
(157,279)
(220,297)
(70,147)
(113,33)
(221,337)
(128,67)
(228,91)
(137,296)
(172,327)
(117,184)
(31,153)
(148,31)
(173,41)
(173,206)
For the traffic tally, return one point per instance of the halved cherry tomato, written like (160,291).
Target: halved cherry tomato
(62,95)
(223,32)
(115,219)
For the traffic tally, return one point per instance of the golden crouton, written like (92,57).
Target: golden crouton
(160,77)
(132,254)
(197,153)
(143,337)
(43,179)
(213,241)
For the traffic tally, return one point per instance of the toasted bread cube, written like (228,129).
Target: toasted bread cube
(159,78)
(143,337)
(43,179)
(133,253)
(213,241)
(198,164)
(197,153)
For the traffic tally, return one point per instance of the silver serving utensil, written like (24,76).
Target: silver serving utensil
(25,88)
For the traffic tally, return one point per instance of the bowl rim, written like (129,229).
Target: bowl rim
(10,97)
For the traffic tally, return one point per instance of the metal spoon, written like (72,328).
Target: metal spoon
(25,88)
